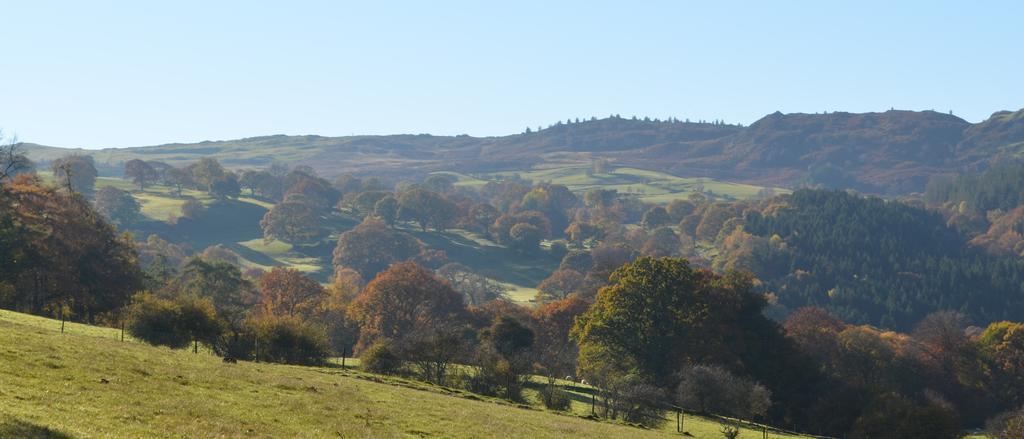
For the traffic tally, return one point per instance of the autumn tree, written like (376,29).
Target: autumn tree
(294,223)
(372,246)
(426,208)
(401,301)
(386,209)
(119,206)
(314,191)
(140,172)
(60,254)
(502,227)
(287,292)
(560,284)
(655,217)
(556,351)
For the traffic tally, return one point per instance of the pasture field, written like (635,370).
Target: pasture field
(87,383)
(650,186)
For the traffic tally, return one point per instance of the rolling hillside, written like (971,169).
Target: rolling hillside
(893,152)
(87,383)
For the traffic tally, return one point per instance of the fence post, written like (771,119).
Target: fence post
(62,310)
(195,345)
(679,421)
(256,351)
(593,400)
(344,351)
(122,330)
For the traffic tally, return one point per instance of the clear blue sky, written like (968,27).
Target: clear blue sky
(114,74)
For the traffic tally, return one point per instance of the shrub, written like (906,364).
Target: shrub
(155,321)
(712,389)
(555,398)
(730,432)
(1006,425)
(192,209)
(289,340)
(172,323)
(380,358)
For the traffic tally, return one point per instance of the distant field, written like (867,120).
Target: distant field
(650,186)
(86,383)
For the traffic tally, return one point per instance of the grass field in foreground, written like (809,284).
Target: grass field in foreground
(86,383)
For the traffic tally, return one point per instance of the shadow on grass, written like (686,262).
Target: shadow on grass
(21,429)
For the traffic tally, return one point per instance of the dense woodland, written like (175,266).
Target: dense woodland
(822,311)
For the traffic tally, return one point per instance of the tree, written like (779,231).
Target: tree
(77,173)
(502,228)
(404,300)
(294,223)
(60,255)
(13,160)
(525,237)
(559,285)
(140,172)
(179,178)
(658,314)
(372,246)
(679,209)
(226,186)
(386,209)
(347,183)
(287,292)
(655,217)
(480,217)
(506,356)
(314,191)
(365,202)
(556,351)
(433,351)
(221,282)
(440,183)
(475,288)
(117,205)
(427,208)
(206,172)
(712,389)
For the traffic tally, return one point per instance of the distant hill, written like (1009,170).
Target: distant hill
(894,152)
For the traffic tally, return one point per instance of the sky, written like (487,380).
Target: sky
(119,74)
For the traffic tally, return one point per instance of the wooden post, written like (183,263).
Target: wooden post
(122,330)
(593,400)
(256,352)
(62,319)
(679,421)
(195,346)
(344,351)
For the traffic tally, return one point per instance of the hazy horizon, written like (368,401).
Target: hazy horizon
(123,75)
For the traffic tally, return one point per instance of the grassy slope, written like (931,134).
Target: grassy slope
(86,383)
(651,186)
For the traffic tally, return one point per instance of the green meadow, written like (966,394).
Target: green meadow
(86,383)
(650,186)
